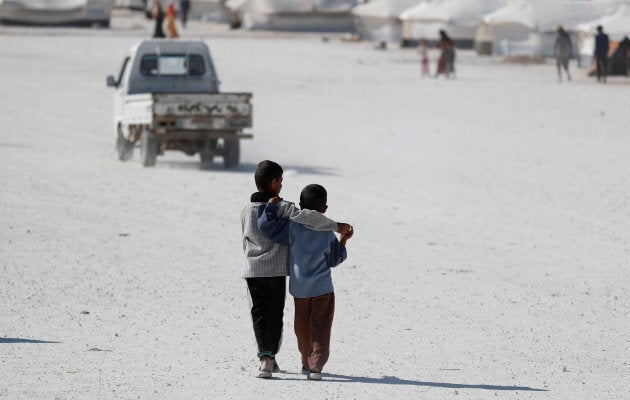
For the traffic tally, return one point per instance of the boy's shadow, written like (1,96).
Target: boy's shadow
(392,380)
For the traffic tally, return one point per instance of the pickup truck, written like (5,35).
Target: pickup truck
(167,98)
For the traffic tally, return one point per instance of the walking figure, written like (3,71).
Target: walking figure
(424,57)
(601,53)
(563,49)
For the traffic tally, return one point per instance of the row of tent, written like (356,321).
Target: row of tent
(501,27)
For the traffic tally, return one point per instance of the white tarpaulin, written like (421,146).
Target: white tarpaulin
(56,12)
(378,20)
(528,27)
(299,15)
(459,18)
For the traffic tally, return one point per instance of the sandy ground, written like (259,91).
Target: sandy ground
(492,222)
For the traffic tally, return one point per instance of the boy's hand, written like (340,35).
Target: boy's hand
(275,200)
(344,228)
(345,236)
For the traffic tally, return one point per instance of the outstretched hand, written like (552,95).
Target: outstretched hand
(345,236)
(344,228)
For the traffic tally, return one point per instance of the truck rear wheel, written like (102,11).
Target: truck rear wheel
(148,148)
(231,153)
(207,150)
(124,148)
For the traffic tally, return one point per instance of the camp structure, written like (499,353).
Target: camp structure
(56,12)
(529,27)
(292,15)
(617,26)
(378,20)
(208,10)
(459,18)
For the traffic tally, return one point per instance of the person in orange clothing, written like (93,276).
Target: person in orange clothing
(170,20)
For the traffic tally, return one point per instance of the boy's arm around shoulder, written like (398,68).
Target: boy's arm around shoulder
(274,228)
(310,219)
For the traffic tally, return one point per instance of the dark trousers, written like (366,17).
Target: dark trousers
(267,296)
(602,66)
(313,322)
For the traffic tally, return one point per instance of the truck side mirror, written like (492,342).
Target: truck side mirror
(111,82)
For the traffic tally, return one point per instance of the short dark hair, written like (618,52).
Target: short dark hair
(314,197)
(266,171)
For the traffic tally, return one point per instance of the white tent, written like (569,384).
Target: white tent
(208,10)
(378,20)
(459,18)
(293,15)
(528,27)
(56,12)
(615,24)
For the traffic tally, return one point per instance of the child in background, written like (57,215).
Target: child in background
(170,21)
(424,57)
(312,254)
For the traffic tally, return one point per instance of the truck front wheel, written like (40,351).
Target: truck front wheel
(124,148)
(231,153)
(148,148)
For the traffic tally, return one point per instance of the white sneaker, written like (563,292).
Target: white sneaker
(315,376)
(264,374)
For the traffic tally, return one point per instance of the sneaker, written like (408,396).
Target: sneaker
(315,376)
(263,374)
(276,367)
(266,367)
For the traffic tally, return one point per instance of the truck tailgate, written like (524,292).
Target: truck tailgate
(220,111)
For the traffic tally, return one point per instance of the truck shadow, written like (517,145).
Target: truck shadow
(250,168)
(244,168)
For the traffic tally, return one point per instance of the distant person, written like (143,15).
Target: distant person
(602,45)
(170,20)
(312,255)
(424,57)
(624,47)
(184,7)
(563,50)
(158,15)
(446,62)
(268,262)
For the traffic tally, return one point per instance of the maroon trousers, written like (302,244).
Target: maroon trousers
(313,321)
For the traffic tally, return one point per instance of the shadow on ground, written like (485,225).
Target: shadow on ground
(19,340)
(392,380)
(243,168)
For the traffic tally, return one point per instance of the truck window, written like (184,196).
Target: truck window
(172,65)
